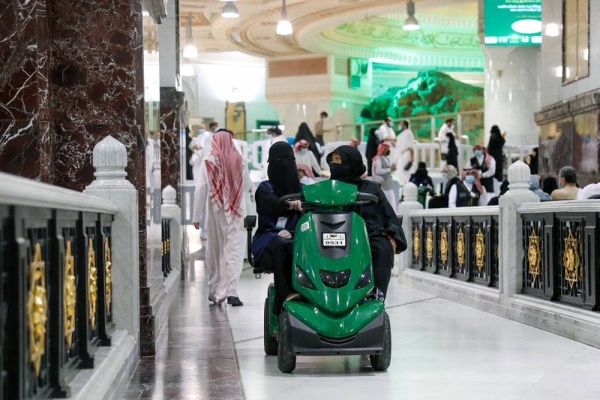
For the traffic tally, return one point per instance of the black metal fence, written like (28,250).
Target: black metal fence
(560,257)
(166,246)
(55,297)
(461,247)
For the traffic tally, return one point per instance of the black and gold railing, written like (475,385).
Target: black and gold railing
(561,255)
(55,295)
(166,246)
(464,247)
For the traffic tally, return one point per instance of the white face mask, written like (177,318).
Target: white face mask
(216,129)
(303,151)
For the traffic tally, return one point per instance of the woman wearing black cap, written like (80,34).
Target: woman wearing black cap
(273,244)
(383,226)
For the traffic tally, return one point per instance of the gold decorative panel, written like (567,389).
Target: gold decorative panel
(429,244)
(460,248)
(70,295)
(571,260)
(534,255)
(444,247)
(108,273)
(480,250)
(92,283)
(37,310)
(416,243)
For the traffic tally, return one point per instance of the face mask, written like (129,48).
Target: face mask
(470,179)
(202,131)
(478,153)
(339,171)
(303,151)
(216,130)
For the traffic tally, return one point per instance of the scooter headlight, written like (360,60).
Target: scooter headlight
(365,279)
(303,279)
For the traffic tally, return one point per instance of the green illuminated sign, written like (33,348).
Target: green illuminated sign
(513,22)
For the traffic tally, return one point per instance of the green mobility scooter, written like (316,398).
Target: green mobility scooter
(333,273)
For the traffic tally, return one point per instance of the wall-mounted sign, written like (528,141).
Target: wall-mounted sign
(513,22)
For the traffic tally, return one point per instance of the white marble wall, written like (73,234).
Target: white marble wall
(512,93)
(553,91)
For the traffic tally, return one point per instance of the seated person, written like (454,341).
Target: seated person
(383,226)
(535,188)
(495,201)
(451,174)
(305,174)
(549,185)
(468,192)
(591,190)
(273,244)
(568,183)
(423,182)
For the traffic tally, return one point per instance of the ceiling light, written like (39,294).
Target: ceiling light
(230,10)
(190,50)
(187,70)
(411,23)
(552,30)
(284,26)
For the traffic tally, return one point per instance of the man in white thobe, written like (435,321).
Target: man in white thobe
(405,153)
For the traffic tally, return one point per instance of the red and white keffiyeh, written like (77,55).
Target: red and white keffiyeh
(226,176)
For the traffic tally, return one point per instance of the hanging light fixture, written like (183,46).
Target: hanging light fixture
(190,50)
(411,23)
(230,10)
(284,26)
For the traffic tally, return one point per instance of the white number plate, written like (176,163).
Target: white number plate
(334,240)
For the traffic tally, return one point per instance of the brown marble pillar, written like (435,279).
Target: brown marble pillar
(171,102)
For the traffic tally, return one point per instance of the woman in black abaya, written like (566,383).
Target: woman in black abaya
(304,133)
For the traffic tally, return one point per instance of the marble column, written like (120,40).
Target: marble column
(512,95)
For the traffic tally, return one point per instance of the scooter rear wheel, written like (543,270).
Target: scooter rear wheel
(270,343)
(381,362)
(286,359)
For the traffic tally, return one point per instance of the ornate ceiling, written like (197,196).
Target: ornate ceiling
(352,28)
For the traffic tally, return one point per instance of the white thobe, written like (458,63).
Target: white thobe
(385,132)
(224,248)
(309,159)
(404,142)
(593,189)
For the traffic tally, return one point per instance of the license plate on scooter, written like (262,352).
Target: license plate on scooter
(334,240)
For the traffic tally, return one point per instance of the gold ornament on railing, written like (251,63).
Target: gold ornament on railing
(92,283)
(162,249)
(168,245)
(460,248)
(444,247)
(416,243)
(37,310)
(70,294)
(108,274)
(571,260)
(429,245)
(480,250)
(534,255)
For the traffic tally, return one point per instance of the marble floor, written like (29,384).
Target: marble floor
(441,350)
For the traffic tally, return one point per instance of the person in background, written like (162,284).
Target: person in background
(421,176)
(486,165)
(448,127)
(532,161)
(451,175)
(273,244)
(383,168)
(321,129)
(535,188)
(223,179)
(494,201)
(405,152)
(276,135)
(494,149)
(469,192)
(304,133)
(305,174)
(386,132)
(213,128)
(371,152)
(549,185)
(386,237)
(591,190)
(197,148)
(303,156)
(452,155)
(568,182)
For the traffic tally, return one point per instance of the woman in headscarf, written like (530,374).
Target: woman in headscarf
(421,176)
(469,192)
(223,179)
(304,156)
(532,161)
(371,152)
(273,244)
(383,168)
(383,226)
(452,155)
(304,133)
(494,149)
(451,175)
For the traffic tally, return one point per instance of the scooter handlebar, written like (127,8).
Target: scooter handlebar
(364,199)
(290,197)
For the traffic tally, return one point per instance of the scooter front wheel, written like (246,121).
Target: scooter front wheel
(286,359)
(270,343)
(381,362)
